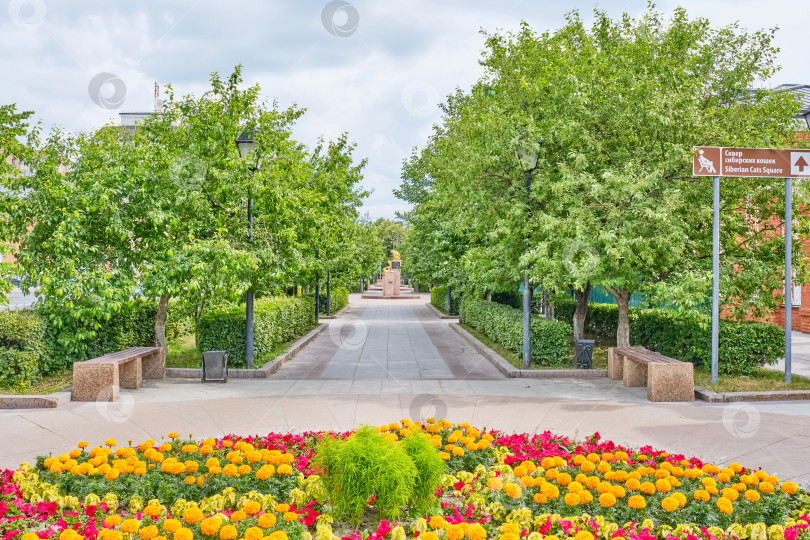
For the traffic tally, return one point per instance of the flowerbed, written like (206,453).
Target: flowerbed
(494,485)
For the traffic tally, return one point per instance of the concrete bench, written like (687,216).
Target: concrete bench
(99,379)
(666,379)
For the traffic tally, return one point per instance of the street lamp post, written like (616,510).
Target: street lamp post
(247,150)
(528,160)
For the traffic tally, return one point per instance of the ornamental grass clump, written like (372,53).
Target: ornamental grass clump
(369,467)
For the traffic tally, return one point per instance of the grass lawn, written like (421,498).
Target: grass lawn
(599,353)
(183,353)
(48,385)
(761,380)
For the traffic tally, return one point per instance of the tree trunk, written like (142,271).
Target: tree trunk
(160,323)
(622,297)
(489,296)
(581,311)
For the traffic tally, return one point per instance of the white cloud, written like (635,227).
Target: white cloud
(379,84)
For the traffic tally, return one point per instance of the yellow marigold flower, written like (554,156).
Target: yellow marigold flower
(444,455)
(790,488)
(575,487)
(69,534)
(607,500)
(267,520)
(457,451)
(540,498)
(633,484)
(550,490)
(228,532)
(252,508)
(239,515)
(438,522)
(752,495)
(130,526)
(278,535)
(230,470)
(29,536)
(571,499)
(587,467)
(494,484)
(284,468)
(725,505)
(171,525)
(112,521)
(585,497)
(111,442)
(148,532)
(636,502)
(477,532)
(670,504)
(454,532)
(183,534)
(730,494)
(765,487)
(152,510)
(618,491)
(648,488)
(173,435)
(512,490)
(663,486)
(583,535)
(254,533)
(563,479)
(282,507)
(192,515)
(290,516)
(244,469)
(723,477)
(520,470)
(209,526)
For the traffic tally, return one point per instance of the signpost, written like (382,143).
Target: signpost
(751,163)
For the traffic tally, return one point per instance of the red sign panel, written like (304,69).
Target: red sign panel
(751,162)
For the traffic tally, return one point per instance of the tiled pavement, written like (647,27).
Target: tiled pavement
(774,435)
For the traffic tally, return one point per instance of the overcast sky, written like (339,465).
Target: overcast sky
(373,68)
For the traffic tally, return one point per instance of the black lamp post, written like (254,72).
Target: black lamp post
(247,150)
(528,161)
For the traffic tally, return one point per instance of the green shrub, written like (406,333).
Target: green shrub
(438,298)
(367,464)
(340,299)
(504,324)
(743,346)
(276,320)
(18,369)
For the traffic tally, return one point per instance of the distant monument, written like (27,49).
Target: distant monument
(391,275)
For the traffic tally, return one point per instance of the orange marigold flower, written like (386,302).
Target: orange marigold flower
(752,495)
(438,522)
(494,484)
(130,526)
(282,507)
(607,500)
(112,521)
(278,535)
(454,532)
(583,535)
(571,499)
(540,498)
(725,505)
(111,442)
(192,515)
(171,525)
(210,526)
(148,532)
(636,502)
(173,435)
(512,490)
(670,504)
(585,497)
(252,508)
(239,515)
(765,487)
(228,532)
(284,468)
(267,520)
(790,488)
(254,533)
(477,532)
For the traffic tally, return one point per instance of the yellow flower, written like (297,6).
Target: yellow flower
(29,536)
(430,535)
(765,487)
(752,495)
(192,515)
(670,504)
(171,525)
(494,484)
(278,535)
(130,525)
(284,468)
(583,535)
(790,488)
(112,521)
(183,534)
(282,507)
(267,520)
(636,502)
(239,515)
(209,526)
(173,435)
(438,522)
(290,516)
(152,510)
(444,455)
(607,500)
(148,532)
(228,532)
(111,442)
(254,533)
(512,490)
(477,532)
(252,508)
(571,499)
(725,505)
(454,532)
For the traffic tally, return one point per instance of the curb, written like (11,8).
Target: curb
(771,395)
(336,315)
(263,372)
(511,371)
(441,315)
(10,401)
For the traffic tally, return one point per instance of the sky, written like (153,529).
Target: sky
(376,69)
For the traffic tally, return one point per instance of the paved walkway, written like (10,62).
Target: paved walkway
(799,357)
(774,436)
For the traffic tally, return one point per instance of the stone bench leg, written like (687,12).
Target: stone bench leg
(131,374)
(94,382)
(615,364)
(154,365)
(671,382)
(634,374)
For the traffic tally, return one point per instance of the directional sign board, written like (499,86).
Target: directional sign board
(751,162)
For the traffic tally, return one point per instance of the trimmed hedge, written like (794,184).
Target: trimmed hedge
(438,297)
(340,299)
(743,346)
(504,324)
(21,348)
(276,320)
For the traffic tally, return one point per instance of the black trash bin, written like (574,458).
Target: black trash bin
(215,366)
(584,353)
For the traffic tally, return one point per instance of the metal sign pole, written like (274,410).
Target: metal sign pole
(788,273)
(715,275)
